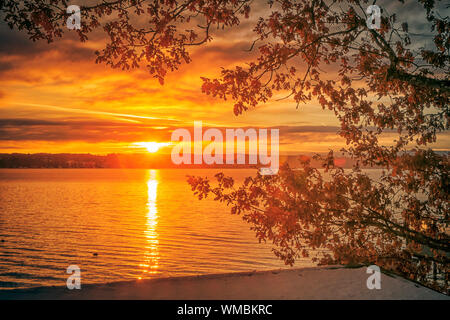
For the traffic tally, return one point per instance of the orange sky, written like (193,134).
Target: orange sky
(54,98)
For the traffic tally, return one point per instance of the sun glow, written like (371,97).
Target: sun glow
(152,146)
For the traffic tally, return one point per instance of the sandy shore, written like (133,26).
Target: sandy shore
(292,284)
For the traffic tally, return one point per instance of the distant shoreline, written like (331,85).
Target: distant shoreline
(317,283)
(146,161)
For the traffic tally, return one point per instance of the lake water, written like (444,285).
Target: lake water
(140,223)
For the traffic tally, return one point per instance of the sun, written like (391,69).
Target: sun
(152,146)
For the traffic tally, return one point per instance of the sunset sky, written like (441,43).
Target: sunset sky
(54,98)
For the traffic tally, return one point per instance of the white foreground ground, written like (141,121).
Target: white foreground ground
(310,283)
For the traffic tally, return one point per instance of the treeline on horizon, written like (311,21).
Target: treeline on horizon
(141,161)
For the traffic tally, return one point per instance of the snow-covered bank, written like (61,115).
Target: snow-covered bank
(291,284)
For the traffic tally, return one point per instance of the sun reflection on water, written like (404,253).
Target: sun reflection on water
(151,256)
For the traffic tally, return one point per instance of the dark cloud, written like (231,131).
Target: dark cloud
(227,52)
(107,130)
(5,66)
(14,42)
(16,49)
(26,122)
(300,129)
(79,130)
